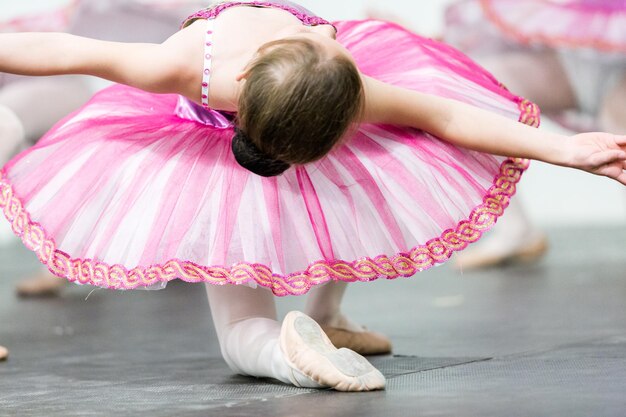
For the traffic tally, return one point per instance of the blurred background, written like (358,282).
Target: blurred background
(553,196)
(555,329)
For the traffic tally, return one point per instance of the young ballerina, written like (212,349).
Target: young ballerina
(27,115)
(575,71)
(262,150)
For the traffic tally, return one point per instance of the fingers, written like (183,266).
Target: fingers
(608,157)
(620,140)
(611,164)
(621,178)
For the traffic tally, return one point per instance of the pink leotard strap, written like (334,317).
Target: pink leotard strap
(208,59)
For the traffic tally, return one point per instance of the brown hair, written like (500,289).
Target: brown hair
(296,104)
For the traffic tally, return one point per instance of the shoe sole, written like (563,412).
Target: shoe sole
(308,350)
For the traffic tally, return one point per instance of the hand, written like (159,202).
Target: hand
(598,153)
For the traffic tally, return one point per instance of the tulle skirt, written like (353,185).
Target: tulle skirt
(589,37)
(130,192)
(591,24)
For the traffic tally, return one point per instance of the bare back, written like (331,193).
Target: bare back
(239,32)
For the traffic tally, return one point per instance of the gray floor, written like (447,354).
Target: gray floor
(542,340)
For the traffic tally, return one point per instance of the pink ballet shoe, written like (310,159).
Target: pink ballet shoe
(4,353)
(488,256)
(364,343)
(42,285)
(309,352)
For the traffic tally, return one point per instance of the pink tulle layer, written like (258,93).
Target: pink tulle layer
(125,194)
(591,24)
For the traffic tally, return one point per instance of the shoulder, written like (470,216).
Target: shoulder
(182,55)
(188,38)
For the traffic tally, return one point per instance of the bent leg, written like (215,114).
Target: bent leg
(39,103)
(12,133)
(536,75)
(248,331)
(297,352)
(324,306)
(514,239)
(613,111)
(43,284)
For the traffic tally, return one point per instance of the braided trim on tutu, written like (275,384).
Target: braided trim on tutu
(420,258)
(546,39)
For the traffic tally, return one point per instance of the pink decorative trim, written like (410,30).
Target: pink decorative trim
(213,11)
(406,264)
(552,39)
(208,62)
(54,21)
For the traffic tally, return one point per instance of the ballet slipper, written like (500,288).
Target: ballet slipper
(4,353)
(363,342)
(309,353)
(485,256)
(42,285)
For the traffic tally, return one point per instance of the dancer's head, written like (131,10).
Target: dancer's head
(298,99)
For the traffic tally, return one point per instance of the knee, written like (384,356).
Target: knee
(247,344)
(226,351)
(229,348)
(11,128)
(613,111)
(230,362)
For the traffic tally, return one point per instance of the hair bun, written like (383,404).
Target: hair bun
(249,156)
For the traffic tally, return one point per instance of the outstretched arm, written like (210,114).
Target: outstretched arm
(159,68)
(480,130)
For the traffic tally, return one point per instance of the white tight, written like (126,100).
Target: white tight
(541,77)
(248,330)
(613,111)
(37,104)
(11,133)
(536,75)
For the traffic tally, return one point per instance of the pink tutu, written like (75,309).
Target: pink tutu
(130,191)
(594,24)
(588,37)
(56,20)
